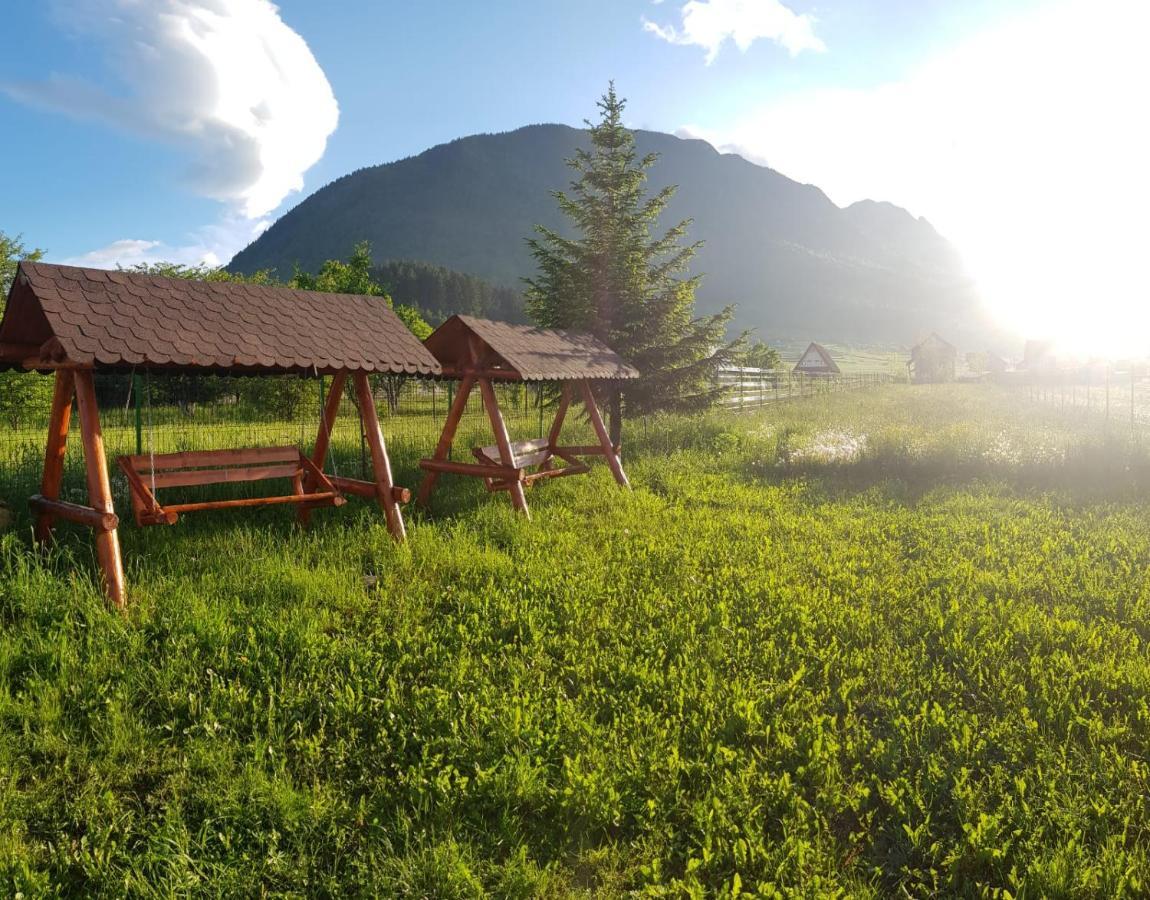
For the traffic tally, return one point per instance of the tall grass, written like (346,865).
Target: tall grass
(854,646)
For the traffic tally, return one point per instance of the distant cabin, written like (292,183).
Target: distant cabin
(932,361)
(816,361)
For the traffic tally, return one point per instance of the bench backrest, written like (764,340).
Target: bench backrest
(197,467)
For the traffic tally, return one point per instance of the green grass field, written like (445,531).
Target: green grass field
(868,644)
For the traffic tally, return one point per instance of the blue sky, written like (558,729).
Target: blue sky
(964,112)
(409,76)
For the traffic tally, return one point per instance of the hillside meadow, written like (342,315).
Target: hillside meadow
(881,644)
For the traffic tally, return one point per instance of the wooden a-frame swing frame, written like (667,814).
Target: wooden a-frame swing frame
(312,487)
(505,466)
(76,322)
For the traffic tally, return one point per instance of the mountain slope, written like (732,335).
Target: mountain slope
(795,264)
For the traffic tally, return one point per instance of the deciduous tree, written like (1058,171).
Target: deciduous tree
(23,395)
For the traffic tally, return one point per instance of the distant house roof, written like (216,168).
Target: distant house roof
(932,343)
(92,317)
(816,360)
(526,352)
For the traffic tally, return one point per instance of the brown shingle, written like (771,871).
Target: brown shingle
(535,354)
(117,319)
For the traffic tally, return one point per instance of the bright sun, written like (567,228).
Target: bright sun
(1028,146)
(1049,196)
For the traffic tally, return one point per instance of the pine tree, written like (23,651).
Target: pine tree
(628,288)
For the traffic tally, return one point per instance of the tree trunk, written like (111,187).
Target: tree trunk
(615,415)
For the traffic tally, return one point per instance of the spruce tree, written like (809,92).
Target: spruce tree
(629,288)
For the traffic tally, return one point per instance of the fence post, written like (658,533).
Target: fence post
(451,400)
(139,415)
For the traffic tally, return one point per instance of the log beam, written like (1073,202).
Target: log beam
(380,464)
(54,452)
(99,487)
(556,425)
(446,438)
(503,441)
(609,451)
(323,438)
(366,488)
(73,512)
(475,469)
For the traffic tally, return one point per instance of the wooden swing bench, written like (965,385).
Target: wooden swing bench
(81,322)
(146,474)
(480,352)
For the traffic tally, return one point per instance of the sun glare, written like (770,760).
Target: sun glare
(1026,146)
(1049,203)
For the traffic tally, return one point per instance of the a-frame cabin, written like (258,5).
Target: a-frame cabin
(816,360)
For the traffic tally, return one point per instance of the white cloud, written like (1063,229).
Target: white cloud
(126,252)
(1025,145)
(227,81)
(710,23)
(212,245)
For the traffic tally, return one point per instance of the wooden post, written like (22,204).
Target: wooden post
(503,441)
(323,438)
(557,426)
(99,488)
(54,452)
(604,441)
(330,411)
(380,464)
(443,448)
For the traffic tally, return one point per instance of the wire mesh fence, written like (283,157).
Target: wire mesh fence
(149,413)
(751,388)
(1112,397)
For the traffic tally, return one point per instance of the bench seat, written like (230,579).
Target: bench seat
(528,454)
(536,453)
(147,473)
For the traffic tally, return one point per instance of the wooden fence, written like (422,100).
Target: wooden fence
(749,388)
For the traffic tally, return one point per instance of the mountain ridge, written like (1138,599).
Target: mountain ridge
(793,262)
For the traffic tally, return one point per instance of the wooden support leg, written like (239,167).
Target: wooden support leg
(503,441)
(380,464)
(556,426)
(99,488)
(323,438)
(443,448)
(604,440)
(54,453)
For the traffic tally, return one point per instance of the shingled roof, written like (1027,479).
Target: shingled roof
(91,317)
(816,360)
(527,352)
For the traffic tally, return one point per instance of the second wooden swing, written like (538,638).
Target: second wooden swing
(480,352)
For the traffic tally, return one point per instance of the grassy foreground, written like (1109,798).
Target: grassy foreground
(857,645)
